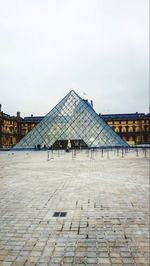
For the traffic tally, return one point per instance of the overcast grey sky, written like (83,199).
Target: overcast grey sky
(97,47)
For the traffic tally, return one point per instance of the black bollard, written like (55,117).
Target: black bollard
(52,154)
(122,153)
(145,153)
(47,155)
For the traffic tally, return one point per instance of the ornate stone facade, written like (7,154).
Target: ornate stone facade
(134,128)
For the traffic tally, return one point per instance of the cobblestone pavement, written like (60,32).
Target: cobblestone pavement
(105,196)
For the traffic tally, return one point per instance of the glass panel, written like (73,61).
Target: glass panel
(75,119)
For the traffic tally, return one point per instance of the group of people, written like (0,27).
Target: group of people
(39,147)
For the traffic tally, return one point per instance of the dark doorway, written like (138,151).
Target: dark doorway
(74,143)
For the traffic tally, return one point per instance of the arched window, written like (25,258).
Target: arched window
(117,129)
(131,138)
(130,129)
(137,129)
(124,129)
(138,139)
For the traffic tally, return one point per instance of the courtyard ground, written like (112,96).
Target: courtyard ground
(104,195)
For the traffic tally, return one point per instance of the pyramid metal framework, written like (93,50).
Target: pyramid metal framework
(71,119)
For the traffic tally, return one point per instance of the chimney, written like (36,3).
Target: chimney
(0,107)
(31,115)
(18,114)
(91,103)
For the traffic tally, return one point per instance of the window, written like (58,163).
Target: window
(130,129)
(124,129)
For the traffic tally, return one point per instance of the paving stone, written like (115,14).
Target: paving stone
(29,263)
(103,254)
(56,260)
(10,258)
(140,260)
(2,257)
(41,264)
(68,260)
(116,260)
(79,260)
(106,202)
(6,263)
(91,254)
(103,261)
(91,260)
(116,264)
(21,259)
(44,259)
(18,263)
(114,255)
(128,260)
(142,264)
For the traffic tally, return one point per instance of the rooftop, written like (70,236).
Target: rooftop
(127,116)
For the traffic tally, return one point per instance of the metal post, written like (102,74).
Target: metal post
(47,155)
(145,153)
(117,152)
(75,152)
(72,155)
(52,154)
(95,152)
(122,153)
(92,154)
(107,154)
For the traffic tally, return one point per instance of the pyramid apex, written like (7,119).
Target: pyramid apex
(72,91)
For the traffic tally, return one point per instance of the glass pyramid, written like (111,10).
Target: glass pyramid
(71,122)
